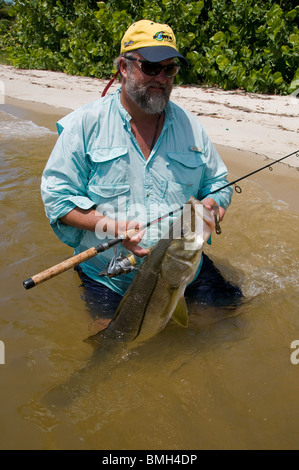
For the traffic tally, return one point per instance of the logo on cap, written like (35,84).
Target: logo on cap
(129,43)
(161,36)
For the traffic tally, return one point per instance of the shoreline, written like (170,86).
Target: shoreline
(262,124)
(40,96)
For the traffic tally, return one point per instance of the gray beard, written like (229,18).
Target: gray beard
(148,104)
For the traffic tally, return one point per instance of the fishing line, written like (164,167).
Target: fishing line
(237,188)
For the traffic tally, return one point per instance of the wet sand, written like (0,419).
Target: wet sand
(282,183)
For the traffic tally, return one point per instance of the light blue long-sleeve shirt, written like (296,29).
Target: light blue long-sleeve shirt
(97,163)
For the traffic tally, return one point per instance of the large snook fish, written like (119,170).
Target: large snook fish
(155,296)
(157,291)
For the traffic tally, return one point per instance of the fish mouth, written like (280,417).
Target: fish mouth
(201,212)
(198,223)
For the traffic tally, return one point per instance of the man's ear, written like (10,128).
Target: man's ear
(123,67)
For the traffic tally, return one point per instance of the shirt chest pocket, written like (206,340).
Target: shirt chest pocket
(186,168)
(109,176)
(184,175)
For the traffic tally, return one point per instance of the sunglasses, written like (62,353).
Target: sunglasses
(154,68)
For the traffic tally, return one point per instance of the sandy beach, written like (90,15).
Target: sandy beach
(264,126)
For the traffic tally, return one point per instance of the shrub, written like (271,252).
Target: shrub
(229,43)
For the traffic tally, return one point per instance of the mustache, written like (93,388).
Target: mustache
(156,85)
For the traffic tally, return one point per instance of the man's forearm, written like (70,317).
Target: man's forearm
(88,220)
(95,222)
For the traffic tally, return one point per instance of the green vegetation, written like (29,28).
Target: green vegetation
(229,43)
(6,20)
(5,17)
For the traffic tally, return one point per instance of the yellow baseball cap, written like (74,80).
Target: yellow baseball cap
(154,41)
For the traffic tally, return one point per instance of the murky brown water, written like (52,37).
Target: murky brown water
(226,382)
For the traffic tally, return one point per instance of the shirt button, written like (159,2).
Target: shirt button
(147,194)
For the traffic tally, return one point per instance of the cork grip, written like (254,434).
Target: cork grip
(59,268)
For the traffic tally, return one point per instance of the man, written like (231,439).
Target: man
(129,158)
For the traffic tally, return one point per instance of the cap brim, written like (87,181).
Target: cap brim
(159,53)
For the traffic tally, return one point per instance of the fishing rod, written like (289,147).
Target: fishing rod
(237,188)
(94,251)
(87,254)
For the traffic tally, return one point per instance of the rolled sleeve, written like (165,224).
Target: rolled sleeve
(63,186)
(215,177)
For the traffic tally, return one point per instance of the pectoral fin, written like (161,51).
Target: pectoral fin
(180,315)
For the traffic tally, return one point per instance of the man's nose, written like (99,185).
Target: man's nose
(162,77)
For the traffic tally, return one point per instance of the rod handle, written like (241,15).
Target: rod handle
(59,268)
(74,260)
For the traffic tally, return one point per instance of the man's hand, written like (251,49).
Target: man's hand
(132,244)
(209,202)
(103,226)
(135,233)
